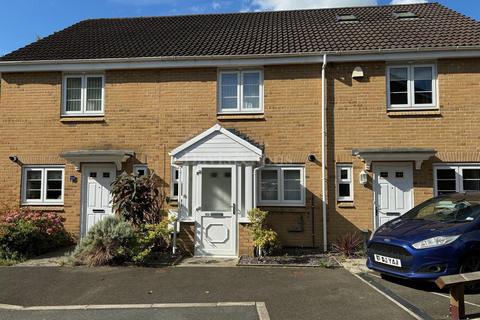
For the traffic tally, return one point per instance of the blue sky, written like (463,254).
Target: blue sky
(22,21)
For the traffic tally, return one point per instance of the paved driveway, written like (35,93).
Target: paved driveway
(288,293)
(424,298)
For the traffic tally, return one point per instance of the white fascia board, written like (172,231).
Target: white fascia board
(234,61)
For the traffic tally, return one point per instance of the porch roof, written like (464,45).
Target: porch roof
(116,156)
(217,144)
(418,155)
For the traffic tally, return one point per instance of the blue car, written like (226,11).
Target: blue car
(438,237)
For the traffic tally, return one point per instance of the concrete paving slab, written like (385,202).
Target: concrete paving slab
(200,313)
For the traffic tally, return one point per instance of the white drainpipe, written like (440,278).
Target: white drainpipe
(262,164)
(324,197)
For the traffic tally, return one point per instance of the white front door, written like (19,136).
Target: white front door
(97,200)
(216,221)
(393,187)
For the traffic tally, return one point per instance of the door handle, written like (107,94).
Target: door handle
(234,208)
(98,211)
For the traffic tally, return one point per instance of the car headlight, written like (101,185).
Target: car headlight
(435,242)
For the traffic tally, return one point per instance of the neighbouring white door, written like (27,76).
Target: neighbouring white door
(216,221)
(393,187)
(97,199)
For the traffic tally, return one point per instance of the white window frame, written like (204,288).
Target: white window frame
(349,181)
(138,167)
(240,75)
(411,105)
(281,168)
(174,181)
(83,103)
(458,174)
(43,192)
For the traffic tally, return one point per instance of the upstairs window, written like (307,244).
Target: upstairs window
(411,87)
(83,95)
(240,91)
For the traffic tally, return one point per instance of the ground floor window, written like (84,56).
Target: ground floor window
(456,178)
(344,182)
(282,185)
(42,185)
(175,182)
(140,169)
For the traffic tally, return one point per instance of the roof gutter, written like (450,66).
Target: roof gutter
(237,60)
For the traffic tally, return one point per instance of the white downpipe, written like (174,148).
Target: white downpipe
(262,164)
(324,197)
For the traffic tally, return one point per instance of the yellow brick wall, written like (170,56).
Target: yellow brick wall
(152,112)
(358,118)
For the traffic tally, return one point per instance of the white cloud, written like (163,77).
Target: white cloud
(308,4)
(408,1)
(216,5)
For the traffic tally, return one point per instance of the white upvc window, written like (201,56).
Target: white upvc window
(140,170)
(281,185)
(43,185)
(83,95)
(456,178)
(240,91)
(344,182)
(175,182)
(412,87)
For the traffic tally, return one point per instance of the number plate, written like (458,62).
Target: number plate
(387,260)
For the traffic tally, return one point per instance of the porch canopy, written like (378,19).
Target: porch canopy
(418,155)
(217,144)
(98,156)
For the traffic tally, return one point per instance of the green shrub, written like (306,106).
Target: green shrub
(151,239)
(265,239)
(138,199)
(107,242)
(27,233)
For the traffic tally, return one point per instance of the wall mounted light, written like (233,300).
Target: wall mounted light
(13,159)
(357,73)
(363,178)
(312,157)
(73,179)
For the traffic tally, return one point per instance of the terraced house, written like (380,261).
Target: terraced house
(333,120)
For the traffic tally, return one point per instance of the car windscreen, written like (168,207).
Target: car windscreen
(448,210)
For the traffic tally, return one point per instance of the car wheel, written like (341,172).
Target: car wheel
(471,264)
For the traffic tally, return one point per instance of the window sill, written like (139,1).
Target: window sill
(44,206)
(68,119)
(281,205)
(414,112)
(241,116)
(345,204)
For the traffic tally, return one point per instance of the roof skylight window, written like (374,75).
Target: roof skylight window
(404,15)
(346,18)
